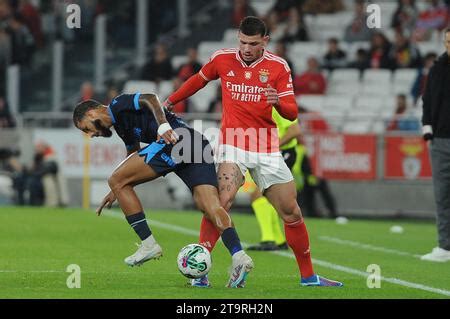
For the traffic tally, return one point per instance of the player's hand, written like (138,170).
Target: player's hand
(166,133)
(167,105)
(107,201)
(271,95)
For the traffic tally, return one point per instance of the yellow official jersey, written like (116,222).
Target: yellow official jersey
(282,126)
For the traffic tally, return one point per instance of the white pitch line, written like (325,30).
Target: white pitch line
(322,263)
(366,246)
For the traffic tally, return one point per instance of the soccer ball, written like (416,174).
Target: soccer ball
(194,261)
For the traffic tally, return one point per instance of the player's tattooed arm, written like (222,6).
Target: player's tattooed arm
(165,131)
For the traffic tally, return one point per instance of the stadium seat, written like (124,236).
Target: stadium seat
(140,86)
(361,126)
(376,76)
(345,75)
(347,88)
(207,48)
(311,102)
(306,50)
(378,126)
(262,7)
(230,36)
(387,9)
(403,80)
(353,47)
(338,103)
(376,82)
(165,89)
(369,103)
(430,46)
(201,99)
(178,61)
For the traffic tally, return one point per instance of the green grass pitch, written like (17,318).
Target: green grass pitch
(37,245)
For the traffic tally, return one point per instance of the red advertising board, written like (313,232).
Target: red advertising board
(406,158)
(343,157)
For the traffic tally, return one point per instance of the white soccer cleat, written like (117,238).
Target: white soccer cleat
(242,265)
(437,254)
(143,254)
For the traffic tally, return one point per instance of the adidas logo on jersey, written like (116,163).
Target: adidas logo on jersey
(231,73)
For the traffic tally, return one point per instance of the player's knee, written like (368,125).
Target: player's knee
(290,212)
(114,182)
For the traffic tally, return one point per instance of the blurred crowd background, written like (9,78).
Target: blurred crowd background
(348,78)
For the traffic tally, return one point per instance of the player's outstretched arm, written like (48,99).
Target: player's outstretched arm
(165,131)
(189,88)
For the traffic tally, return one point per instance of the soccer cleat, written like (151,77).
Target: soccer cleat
(143,254)
(283,246)
(437,254)
(317,281)
(201,282)
(241,266)
(264,246)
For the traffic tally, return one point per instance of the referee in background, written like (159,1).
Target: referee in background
(436,131)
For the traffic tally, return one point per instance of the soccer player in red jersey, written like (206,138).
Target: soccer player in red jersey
(253,81)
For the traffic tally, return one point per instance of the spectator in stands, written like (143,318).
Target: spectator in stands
(5,57)
(405,17)
(281,51)
(433,19)
(361,61)
(282,7)
(401,120)
(404,54)
(307,184)
(159,68)
(335,56)
(6,11)
(182,106)
(241,9)
(53,182)
(312,121)
(275,28)
(191,67)
(379,52)
(358,30)
(34,182)
(215,106)
(296,29)
(111,93)
(87,91)
(32,19)
(421,80)
(6,119)
(312,81)
(22,42)
(321,7)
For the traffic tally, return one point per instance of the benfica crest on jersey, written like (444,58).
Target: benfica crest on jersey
(264,75)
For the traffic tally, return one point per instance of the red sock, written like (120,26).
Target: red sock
(209,235)
(298,240)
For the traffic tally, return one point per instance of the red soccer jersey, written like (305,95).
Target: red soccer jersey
(247,118)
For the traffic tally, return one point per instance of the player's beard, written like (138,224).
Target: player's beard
(104,131)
